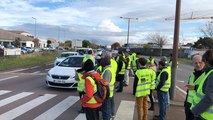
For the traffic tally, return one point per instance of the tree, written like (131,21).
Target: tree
(159,39)
(17,42)
(208,30)
(115,45)
(204,42)
(86,43)
(49,43)
(36,42)
(68,44)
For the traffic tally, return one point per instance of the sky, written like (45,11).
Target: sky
(99,20)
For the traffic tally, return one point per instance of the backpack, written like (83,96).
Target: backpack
(103,91)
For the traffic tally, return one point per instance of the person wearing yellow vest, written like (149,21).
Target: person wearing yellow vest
(163,84)
(88,101)
(128,66)
(152,67)
(89,56)
(202,104)
(194,80)
(135,61)
(80,85)
(141,89)
(120,73)
(107,76)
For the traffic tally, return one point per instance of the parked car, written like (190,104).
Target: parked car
(63,75)
(63,56)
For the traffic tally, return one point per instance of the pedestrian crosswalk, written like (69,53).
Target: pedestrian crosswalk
(125,109)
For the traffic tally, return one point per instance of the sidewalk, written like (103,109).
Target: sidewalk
(176,109)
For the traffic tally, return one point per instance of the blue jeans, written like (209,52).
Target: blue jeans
(106,109)
(162,103)
(112,106)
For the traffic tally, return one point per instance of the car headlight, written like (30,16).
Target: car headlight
(48,74)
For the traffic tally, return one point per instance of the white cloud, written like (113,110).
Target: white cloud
(108,26)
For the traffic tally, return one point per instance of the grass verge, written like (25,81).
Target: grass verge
(11,62)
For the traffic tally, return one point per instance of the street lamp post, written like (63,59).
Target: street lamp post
(129,19)
(35,25)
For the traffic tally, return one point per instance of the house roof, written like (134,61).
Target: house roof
(7,35)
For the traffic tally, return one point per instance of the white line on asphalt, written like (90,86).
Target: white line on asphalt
(34,67)
(8,78)
(184,92)
(2,92)
(16,70)
(14,98)
(25,107)
(58,109)
(81,116)
(36,72)
(125,110)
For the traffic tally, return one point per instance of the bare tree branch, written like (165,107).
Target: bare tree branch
(157,38)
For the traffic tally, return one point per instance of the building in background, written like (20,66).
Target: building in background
(76,43)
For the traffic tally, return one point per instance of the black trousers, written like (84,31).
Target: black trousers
(120,79)
(151,99)
(92,113)
(188,112)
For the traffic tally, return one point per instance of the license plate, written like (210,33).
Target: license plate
(59,81)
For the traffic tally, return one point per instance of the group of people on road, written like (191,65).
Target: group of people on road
(199,99)
(115,68)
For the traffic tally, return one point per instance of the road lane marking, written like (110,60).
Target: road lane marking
(25,107)
(8,78)
(81,116)
(34,67)
(181,90)
(14,98)
(58,109)
(17,70)
(2,92)
(36,72)
(125,110)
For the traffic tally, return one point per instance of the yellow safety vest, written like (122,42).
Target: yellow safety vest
(86,58)
(129,63)
(208,114)
(167,83)
(153,78)
(112,81)
(92,100)
(81,82)
(192,81)
(144,82)
(122,69)
(134,64)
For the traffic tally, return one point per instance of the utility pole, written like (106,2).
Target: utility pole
(175,48)
(129,19)
(35,26)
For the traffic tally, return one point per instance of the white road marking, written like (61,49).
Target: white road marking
(184,92)
(34,67)
(47,69)
(25,107)
(36,72)
(81,116)
(16,70)
(8,78)
(125,110)
(58,109)
(2,92)
(14,98)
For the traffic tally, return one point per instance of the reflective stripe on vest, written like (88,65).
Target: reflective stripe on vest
(92,100)
(81,83)
(192,81)
(112,81)
(208,114)
(122,69)
(144,82)
(167,83)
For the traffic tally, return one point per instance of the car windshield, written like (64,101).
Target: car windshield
(67,54)
(72,62)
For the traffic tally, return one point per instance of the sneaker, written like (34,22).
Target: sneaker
(113,116)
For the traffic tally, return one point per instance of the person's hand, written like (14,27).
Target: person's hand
(189,87)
